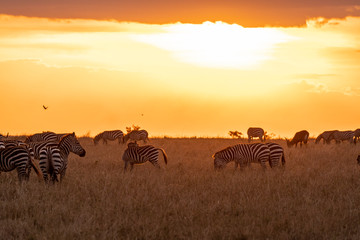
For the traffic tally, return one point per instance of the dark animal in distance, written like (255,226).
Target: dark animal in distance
(300,137)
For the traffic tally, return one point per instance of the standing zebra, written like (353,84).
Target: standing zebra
(300,137)
(109,135)
(276,153)
(242,154)
(326,136)
(340,136)
(256,132)
(137,155)
(51,163)
(45,136)
(17,158)
(136,135)
(36,147)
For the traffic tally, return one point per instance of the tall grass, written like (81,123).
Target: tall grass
(316,196)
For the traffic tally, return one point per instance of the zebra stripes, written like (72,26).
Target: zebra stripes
(44,136)
(242,154)
(256,132)
(109,135)
(138,155)
(325,136)
(340,136)
(137,135)
(50,162)
(17,158)
(300,137)
(276,154)
(36,147)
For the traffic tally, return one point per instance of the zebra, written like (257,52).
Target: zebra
(50,161)
(44,136)
(13,143)
(134,154)
(326,136)
(109,135)
(36,147)
(276,153)
(67,144)
(256,132)
(17,158)
(356,135)
(242,154)
(136,135)
(342,136)
(300,137)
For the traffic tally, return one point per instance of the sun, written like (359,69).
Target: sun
(217,45)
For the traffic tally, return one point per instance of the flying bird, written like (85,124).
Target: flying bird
(45,107)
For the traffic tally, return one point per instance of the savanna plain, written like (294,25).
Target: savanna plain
(315,196)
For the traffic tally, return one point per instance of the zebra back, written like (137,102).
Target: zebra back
(137,135)
(45,136)
(256,132)
(242,154)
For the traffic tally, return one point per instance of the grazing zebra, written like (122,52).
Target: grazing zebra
(276,153)
(242,154)
(51,163)
(136,135)
(109,135)
(356,135)
(325,136)
(342,136)
(45,136)
(138,155)
(17,158)
(256,132)
(300,137)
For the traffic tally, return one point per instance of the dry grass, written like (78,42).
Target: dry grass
(316,196)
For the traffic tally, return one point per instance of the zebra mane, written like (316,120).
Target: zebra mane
(65,136)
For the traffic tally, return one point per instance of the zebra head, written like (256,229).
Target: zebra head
(288,142)
(72,144)
(358,159)
(219,163)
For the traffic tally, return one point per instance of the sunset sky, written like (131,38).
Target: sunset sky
(179,68)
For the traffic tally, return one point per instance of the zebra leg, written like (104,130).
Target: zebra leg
(156,164)
(62,175)
(22,173)
(125,166)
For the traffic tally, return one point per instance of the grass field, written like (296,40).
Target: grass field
(316,196)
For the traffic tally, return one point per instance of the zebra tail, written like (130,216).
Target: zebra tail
(164,154)
(37,171)
(283,159)
(51,169)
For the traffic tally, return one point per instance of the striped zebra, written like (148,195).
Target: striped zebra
(325,136)
(340,136)
(242,154)
(135,154)
(17,158)
(356,135)
(44,136)
(109,135)
(36,147)
(13,143)
(137,135)
(54,160)
(276,153)
(300,137)
(256,132)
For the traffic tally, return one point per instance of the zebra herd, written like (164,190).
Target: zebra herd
(52,151)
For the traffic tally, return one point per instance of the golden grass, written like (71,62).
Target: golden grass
(316,196)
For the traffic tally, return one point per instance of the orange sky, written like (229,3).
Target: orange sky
(178,79)
(243,12)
